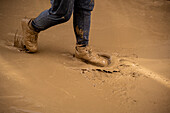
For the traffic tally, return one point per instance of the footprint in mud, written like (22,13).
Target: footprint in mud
(127,62)
(123,65)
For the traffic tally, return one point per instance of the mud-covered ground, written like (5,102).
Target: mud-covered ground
(135,33)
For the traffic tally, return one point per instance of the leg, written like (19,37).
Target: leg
(59,12)
(82,16)
(81,20)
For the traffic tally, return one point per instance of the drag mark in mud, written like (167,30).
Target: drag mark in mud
(155,76)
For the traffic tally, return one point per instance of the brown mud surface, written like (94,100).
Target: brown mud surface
(135,33)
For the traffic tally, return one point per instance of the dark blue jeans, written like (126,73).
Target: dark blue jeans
(61,11)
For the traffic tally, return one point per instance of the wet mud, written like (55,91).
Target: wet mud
(133,34)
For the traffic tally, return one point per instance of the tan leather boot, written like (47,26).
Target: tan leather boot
(29,36)
(86,54)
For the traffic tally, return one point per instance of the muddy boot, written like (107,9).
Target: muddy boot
(30,36)
(86,54)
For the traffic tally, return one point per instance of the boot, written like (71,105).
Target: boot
(30,36)
(86,54)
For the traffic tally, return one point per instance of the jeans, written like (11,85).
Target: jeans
(61,11)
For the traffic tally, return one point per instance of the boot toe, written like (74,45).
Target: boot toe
(102,63)
(31,49)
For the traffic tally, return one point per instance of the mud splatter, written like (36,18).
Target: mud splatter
(18,40)
(79,32)
(120,66)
